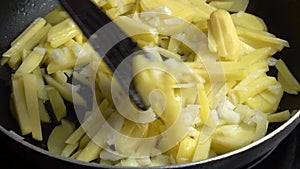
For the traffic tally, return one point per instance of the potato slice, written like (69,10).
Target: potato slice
(255,88)
(202,8)
(31,62)
(31,97)
(116,12)
(204,105)
(260,39)
(20,105)
(66,91)
(224,34)
(258,55)
(279,116)
(286,78)
(230,5)
(16,58)
(222,144)
(84,141)
(69,150)
(41,88)
(44,116)
(62,33)
(90,152)
(187,148)
(61,59)
(60,77)
(25,36)
(57,103)
(202,150)
(248,20)
(178,8)
(56,140)
(137,29)
(54,17)
(259,103)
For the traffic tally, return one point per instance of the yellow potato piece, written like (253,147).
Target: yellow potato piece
(115,12)
(44,115)
(204,104)
(25,36)
(222,144)
(65,90)
(177,8)
(137,29)
(16,58)
(202,150)
(224,34)
(279,116)
(31,62)
(66,60)
(69,149)
(31,97)
(57,103)
(75,136)
(230,5)
(260,39)
(60,77)
(287,79)
(62,33)
(202,8)
(255,87)
(41,88)
(90,152)
(56,140)
(258,55)
(187,148)
(259,103)
(54,17)
(248,20)
(84,141)
(22,114)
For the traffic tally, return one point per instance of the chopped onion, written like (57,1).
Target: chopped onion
(215,116)
(226,112)
(41,51)
(79,51)
(184,85)
(275,87)
(230,130)
(58,55)
(145,161)
(271,61)
(163,10)
(173,21)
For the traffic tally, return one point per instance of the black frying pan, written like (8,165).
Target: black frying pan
(282,18)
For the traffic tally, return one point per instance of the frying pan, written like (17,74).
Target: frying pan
(282,19)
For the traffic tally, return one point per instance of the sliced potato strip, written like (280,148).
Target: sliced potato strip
(57,103)
(31,97)
(22,114)
(287,79)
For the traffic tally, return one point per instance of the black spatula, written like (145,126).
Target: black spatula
(108,40)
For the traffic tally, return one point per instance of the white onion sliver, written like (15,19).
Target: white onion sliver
(173,21)
(271,61)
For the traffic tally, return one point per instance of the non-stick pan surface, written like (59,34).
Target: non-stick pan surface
(281,17)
